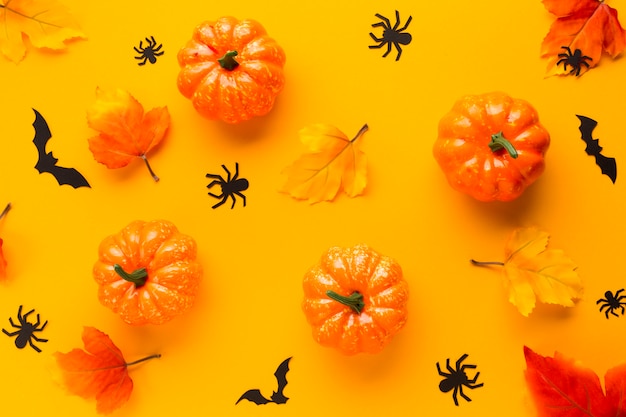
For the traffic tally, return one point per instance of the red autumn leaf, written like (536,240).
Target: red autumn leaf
(587,26)
(3,262)
(561,387)
(100,371)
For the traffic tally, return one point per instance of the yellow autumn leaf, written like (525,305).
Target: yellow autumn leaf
(330,162)
(46,24)
(532,271)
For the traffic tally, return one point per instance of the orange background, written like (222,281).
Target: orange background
(247,318)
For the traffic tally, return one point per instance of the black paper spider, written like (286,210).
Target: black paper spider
(150,52)
(26,330)
(230,187)
(574,60)
(457,379)
(392,35)
(612,302)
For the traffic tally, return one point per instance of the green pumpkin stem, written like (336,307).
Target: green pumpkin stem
(354,300)
(228,61)
(498,141)
(137,277)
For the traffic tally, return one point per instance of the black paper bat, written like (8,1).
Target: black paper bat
(606,164)
(47,162)
(255,396)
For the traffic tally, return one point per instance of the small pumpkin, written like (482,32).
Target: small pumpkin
(231,69)
(491,146)
(148,272)
(355,299)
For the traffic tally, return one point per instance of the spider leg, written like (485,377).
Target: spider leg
(158,48)
(606,313)
(397,20)
(38,329)
(602,300)
(613,312)
(39,339)
(13,324)
(30,342)
(220,202)
(23,319)
(139,51)
(468,399)
(144,61)
(618,292)
(461,359)
(234,201)
(406,25)
(151,42)
(622,308)
(388,49)
(386,24)
(10,334)
(464,367)
(243,198)
(441,372)
(473,380)
(236,172)
(228,172)
(398,49)
(454,394)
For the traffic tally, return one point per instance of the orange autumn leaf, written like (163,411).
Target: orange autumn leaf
(330,162)
(45,23)
(562,387)
(532,271)
(582,31)
(126,132)
(3,262)
(100,371)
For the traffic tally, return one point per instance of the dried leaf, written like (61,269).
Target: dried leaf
(100,371)
(532,271)
(590,26)
(560,387)
(126,133)
(330,162)
(3,262)
(46,24)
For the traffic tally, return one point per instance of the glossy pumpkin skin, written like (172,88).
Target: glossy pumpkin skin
(218,91)
(471,166)
(348,271)
(169,260)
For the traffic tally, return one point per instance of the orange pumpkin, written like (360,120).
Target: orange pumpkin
(231,69)
(355,299)
(148,272)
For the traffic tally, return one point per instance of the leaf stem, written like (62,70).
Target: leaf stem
(154,176)
(498,141)
(137,277)
(5,211)
(360,132)
(147,358)
(488,263)
(354,300)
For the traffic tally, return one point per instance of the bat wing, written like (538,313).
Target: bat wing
(607,165)
(255,396)
(281,377)
(47,162)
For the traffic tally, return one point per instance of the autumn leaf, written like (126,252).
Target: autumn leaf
(532,271)
(45,23)
(100,371)
(330,162)
(126,133)
(587,26)
(3,262)
(561,387)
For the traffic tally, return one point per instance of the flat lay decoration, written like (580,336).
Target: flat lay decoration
(607,164)
(278,397)
(27,331)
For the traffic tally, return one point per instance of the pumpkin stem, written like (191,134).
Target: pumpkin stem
(5,211)
(137,277)
(154,176)
(498,141)
(228,61)
(489,263)
(354,300)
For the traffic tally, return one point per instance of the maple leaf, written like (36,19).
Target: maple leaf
(46,24)
(126,133)
(100,371)
(589,26)
(561,387)
(532,271)
(3,262)
(331,161)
